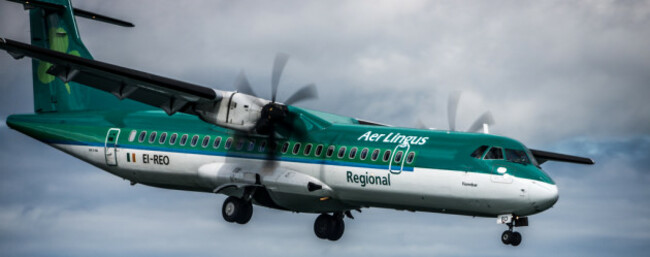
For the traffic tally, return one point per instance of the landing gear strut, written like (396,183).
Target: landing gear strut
(510,237)
(237,210)
(329,227)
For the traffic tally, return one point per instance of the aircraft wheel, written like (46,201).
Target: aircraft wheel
(506,237)
(337,226)
(246,212)
(321,226)
(515,240)
(236,210)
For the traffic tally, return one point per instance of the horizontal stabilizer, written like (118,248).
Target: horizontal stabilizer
(102,18)
(543,156)
(30,4)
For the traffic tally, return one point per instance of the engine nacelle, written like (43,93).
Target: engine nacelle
(235,111)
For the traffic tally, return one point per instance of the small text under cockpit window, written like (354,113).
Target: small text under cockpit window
(495,153)
(517,156)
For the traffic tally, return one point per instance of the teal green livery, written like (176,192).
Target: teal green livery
(171,134)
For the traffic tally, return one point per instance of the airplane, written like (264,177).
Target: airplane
(165,133)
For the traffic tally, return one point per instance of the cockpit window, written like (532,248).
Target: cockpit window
(517,156)
(478,153)
(495,153)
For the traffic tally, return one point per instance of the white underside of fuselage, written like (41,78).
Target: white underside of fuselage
(432,190)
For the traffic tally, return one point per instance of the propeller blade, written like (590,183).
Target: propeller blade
(278,66)
(305,93)
(243,86)
(452,107)
(485,118)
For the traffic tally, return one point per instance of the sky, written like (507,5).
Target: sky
(565,76)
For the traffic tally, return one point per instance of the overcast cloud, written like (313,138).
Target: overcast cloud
(567,76)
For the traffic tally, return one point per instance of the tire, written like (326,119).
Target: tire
(337,226)
(515,240)
(231,209)
(506,237)
(322,225)
(245,213)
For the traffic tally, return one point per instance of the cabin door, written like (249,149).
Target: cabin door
(396,161)
(110,146)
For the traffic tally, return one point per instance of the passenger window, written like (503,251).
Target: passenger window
(341,152)
(228,143)
(172,139)
(478,153)
(195,140)
(364,153)
(375,155)
(307,150)
(206,141)
(330,151)
(217,142)
(353,153)
(183,140)
(386,155)
(517,156)
(495,153)
(262,146)
(398,156)
(132,135)
(285,147)
(296,148)
(319,150)
(142,136)
(410,157)
(251,145)
(163,137)
(152,137)
(240,144)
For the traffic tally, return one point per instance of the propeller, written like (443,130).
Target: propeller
(307,92)
(274,114)
(452,110)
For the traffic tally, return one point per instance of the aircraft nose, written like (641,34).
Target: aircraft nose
(543,196)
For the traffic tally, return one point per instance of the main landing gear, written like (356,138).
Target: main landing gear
(510,237)
(329,227)
(237,210)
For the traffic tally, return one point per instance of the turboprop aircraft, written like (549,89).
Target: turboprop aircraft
(166,133)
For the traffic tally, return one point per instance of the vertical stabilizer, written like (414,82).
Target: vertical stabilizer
(53,26)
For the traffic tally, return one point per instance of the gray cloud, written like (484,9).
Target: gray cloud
(563,76)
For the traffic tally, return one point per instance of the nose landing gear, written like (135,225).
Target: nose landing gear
(510,237)
(329,227)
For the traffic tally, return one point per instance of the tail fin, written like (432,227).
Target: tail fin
(53,26)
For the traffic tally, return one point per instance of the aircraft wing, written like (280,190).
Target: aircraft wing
(168,94)
(543,156)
